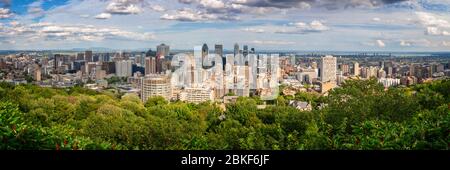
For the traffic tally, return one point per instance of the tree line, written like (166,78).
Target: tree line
(360,115)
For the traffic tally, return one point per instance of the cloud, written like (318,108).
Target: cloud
(103,16)
(436,31)
(327,4)
(187,14)
(84,16)
(5,13)
(433,24)
(270,42)
(35,9)
(79,32)
(157,8)
(445,43)
(254,30)
(124,7)
(404,43)
(304,28)
(380,43)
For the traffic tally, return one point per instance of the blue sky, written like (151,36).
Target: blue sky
(310,25)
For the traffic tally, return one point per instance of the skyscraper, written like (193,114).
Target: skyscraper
(328,69)
(150,65)
(345,69)
(163,50)
(236,49)
(124,68)
(245,51)
(356,70)
(219,50)
(37,72)
(88,56)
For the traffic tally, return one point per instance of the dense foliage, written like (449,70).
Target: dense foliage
(360,115)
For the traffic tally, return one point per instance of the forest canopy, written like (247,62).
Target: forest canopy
(359,115)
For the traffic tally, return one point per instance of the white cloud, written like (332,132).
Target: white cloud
(157,8)
(446,43)
(254,30)
(124,7)
(304,28)
(380,43)
(84,16)
(103,16)
(80,32)
(187,14)
(404,43)
(214,4)
(5,13)
(270,42)
(434,24)
(436,31)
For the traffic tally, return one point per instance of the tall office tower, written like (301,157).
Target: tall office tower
(245,51)
(143,59)
(57,61)
(124,68)
(292,61)
(219,50)
(236,49)
(412,68)
(345,69)
(80,56)
(37,72)
(155,85)
(90,67)
(163,50)
(440,68)
(109,67)
(150,65)
(88,56)
(328,69)
(356,70)
(389,72)
(206,62)
(76,65)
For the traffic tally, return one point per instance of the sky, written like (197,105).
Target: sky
(303,25)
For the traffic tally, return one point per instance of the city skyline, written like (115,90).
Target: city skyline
(297,25)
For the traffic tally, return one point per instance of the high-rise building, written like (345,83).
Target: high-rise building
(328,69)
(109,67)
(150,65)
(56,61)
(124,68)
(88,56)
(245,51)
(163,50)
(345,69)
(76,65)
(155,85)
(218,50)
(236,49)
(80,56)
(356,70)
(37,73)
